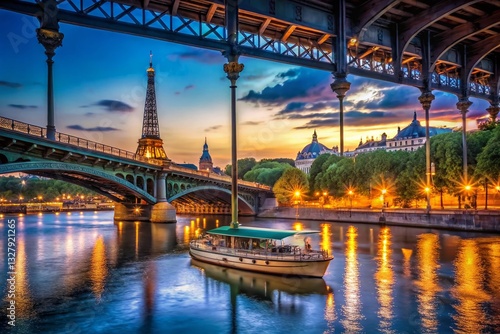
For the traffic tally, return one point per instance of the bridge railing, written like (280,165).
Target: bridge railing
(38,131)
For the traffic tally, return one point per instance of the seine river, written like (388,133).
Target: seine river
(83,273)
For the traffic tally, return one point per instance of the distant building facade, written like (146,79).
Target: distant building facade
(310,152)
(411,138)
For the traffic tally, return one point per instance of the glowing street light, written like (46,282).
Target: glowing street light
(297,194)
(382,197)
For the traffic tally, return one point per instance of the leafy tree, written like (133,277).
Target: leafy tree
(488,161)
(244,165)
(316,168)
(289,161)
(266,172)
(289,183)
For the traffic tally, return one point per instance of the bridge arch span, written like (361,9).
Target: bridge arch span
(211,195)
(114,187)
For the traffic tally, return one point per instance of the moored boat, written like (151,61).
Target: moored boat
(260,250)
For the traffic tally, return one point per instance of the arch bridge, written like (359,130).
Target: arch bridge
(129,180)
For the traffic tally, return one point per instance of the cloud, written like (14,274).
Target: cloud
(211,128)
(112,106)
(22,106)
(199,55)
(297,83)
(94,129)
(9,84)
(352,118)
(251,123)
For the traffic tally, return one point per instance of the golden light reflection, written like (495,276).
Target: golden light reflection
(186,235)
(330,315)
(298,226)
(326,239)
(427,283)
(407,253)
(384,279)
(494,279)
(24,304)
(98,269)
(351,310)
(468,290)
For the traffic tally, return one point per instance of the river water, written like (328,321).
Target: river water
(84,273)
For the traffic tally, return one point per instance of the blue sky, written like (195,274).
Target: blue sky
(100,86)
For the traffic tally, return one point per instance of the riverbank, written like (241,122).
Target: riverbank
(467,220)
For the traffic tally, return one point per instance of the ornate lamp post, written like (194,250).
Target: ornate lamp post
(463,105)
(426,100)
(233,69)
(382,216)
(49,36)
(340,86)
(297,195)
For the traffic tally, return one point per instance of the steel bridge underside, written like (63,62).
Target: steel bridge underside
(453,44)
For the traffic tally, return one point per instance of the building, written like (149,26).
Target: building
(206,163)
(310,152)
(411,138)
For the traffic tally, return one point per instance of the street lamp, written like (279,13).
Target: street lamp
(297,194)
(382,217)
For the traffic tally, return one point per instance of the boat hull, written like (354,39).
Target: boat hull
(276,265)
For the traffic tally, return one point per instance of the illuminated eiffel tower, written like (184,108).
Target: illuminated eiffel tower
(150,144)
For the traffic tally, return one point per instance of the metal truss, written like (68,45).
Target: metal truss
(292,44)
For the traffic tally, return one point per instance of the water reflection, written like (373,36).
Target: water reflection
(468,290)
(262,285)
(149,281)
(351,310)
(326,238)
(427,283)
(98,269)
(24,303)
(493,252)
(384,279)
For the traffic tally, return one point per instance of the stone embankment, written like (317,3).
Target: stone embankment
(470,220)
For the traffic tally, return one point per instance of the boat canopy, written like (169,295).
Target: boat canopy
(256,232)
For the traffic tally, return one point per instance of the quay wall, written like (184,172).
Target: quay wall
(469,220)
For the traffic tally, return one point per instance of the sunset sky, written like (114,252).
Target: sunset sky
(100,85)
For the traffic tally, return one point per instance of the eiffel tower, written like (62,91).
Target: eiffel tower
(150,144)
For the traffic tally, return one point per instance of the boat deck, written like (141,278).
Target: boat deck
(283,253)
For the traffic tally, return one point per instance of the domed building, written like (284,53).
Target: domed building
(412,137)
(206,163)
(310,152)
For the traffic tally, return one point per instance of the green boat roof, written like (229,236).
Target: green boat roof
(256,232)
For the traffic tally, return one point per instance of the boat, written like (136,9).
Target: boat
(261,250)
(263,285)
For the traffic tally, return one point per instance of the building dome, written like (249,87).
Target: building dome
(313,150)
(413,130)
(310,152)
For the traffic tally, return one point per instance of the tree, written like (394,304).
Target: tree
(244,165)
(488,161)
(289,183)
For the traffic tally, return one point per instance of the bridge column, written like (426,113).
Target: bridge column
(463,105)
(426,99)
(162,211)
(49,36)
(340,86)
(233,69)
